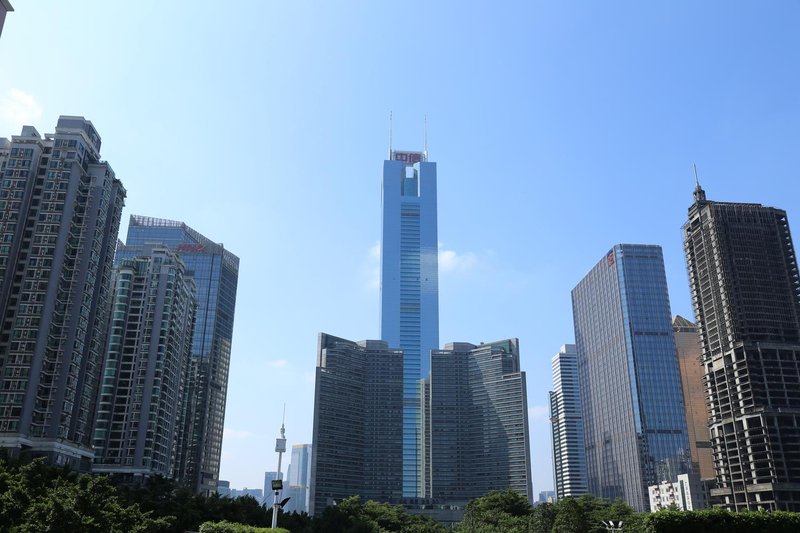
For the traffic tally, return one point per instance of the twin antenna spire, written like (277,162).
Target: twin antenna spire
(425,136)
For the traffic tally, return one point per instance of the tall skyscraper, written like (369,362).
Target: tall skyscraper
(634,422)
(216,272)
(410,288)
(298,478)
(5,7)
(687,342)
(566,418)
(478,422)
(746,295)
(358,423)
(138,423)
(60,208)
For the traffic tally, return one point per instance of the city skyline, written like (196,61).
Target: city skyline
(576,112)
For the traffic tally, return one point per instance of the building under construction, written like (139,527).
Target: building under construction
(746,294)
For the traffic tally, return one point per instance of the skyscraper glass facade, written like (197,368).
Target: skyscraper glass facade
(566,417)
(358,423)
(410,288)
(478,422)
(215,271)
(634,422)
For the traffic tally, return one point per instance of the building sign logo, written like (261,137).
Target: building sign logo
(185,247)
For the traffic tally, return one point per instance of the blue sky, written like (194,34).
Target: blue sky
(559,129)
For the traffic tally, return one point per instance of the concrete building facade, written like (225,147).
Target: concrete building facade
(216,272)
(746,295)
(140,405)
(60,209)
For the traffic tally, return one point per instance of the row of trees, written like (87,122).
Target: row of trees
(36,498)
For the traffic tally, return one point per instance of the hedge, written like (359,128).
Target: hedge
(720,521)
(233,527)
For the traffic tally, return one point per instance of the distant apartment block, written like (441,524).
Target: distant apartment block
(60,208)
(141,399)
(477,422)
(358,423)
(686,493)
(634,421)
(215,271)
(566,419)
(687,342)
(224,488)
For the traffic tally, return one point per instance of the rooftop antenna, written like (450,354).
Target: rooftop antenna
(426,137)
(699,193)
(390,135)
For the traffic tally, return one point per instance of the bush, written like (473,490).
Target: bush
(720,521)
(233,527)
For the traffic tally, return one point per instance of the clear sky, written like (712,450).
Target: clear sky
(559,129)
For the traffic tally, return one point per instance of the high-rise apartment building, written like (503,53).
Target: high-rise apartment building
(478,422)
(5,7)
(358,423)
(746,294)
(566,419)
(60,208)
(298,478)
(215,271)
(138,423)
(634,423)
(687,342)
(410,288)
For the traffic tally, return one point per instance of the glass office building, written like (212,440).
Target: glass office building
(566,419)
(358,423)
(410,288)
(215,271)
(477,422)
(634,422)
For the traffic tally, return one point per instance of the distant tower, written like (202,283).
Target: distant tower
(634,422)
(566,417)
(410,287)
(60,208)
(743,276)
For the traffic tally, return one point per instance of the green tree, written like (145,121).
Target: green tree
(501,511)
(571,517)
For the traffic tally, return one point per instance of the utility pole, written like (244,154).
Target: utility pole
(277,484)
